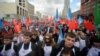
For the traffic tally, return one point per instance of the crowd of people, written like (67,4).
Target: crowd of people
(40,39)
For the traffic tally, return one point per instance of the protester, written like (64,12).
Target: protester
(48,44)
(7,30)
(95,49)
(82,43)
(27,48)
(17,38)
(8,48)
(55,35)
(41,36)
(66,48)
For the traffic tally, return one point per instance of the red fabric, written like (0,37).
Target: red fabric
(63,21)
(6,23)
(73,25)
(28,21)
(88,25)
(17,28)
(9,32)
(67,21)
(14,21)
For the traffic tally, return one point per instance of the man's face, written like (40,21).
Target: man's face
(69,42)
(7,41)
(26,39)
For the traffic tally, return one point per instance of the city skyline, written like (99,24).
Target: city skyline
(48,7)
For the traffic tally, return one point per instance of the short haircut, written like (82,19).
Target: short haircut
(35,33)
(70,34)
(28,34)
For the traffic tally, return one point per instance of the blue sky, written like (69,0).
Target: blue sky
(75,5)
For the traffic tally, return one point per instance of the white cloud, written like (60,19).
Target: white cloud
(47,6)
(78,4)
(71,1)
(75,5)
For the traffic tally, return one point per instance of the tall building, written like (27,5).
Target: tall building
(87,6)
(30,10)
(17,8)
(65,9)
(91,8)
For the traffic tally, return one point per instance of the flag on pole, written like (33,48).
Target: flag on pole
(69,14)
(80,20)
(73,24)
(61,37)
(88,25)
(1,23)
(56,18)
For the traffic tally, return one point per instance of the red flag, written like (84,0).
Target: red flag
(73,25)
(88,25)
(6,23)
(14,21)
(62,21)
(28,21)
(17,28)
(67,21)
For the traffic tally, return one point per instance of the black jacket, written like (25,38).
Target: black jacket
(59,47)
(34,49)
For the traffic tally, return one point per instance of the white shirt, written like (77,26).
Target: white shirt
(24,52)
(93,52)
(47,50)
(41,38)
(9,52)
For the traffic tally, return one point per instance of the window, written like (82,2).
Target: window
(23,0)
(23,12)
(17,10)
(20,11)
(23,4)
(20,3)
(20,0)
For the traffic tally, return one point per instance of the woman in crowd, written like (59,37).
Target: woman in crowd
(47,45)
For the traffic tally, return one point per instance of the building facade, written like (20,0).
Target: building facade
(87,6)
(90,9)
(30,10)
(7,9)
(76,13)
(19,8)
